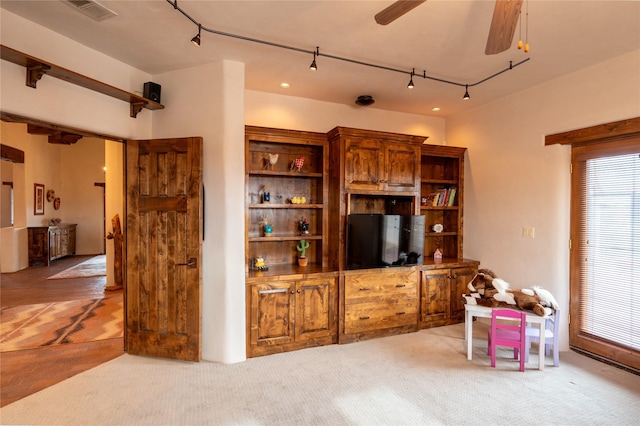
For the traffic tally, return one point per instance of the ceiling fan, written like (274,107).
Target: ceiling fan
(503,24)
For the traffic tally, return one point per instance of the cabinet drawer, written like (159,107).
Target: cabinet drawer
(371,287)
(377,316)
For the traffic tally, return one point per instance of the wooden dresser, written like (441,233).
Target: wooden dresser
(48,243)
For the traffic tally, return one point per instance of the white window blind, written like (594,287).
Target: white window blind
(610,290)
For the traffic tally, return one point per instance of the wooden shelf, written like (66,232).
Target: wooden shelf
(286,238)
(285,206)
(438,207)
(36,68)
(284,174)
(441,181)
(440,234)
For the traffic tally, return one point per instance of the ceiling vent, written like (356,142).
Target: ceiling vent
(92,9)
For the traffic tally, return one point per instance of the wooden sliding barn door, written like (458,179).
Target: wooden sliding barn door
(164,242)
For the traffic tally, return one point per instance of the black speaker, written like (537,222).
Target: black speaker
(152,91)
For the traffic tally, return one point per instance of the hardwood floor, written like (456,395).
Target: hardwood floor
(28,371)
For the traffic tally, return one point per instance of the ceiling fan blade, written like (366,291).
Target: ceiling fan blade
(503,26)
(396,10)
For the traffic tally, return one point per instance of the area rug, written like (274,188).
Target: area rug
(94,267)
(47,324)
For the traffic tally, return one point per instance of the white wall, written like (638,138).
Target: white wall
(288,112)
(208,101)
(513,180)
(63,103)
(81,166)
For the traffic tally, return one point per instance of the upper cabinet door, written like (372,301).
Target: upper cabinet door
(401,167)
(378,165)
(364,165)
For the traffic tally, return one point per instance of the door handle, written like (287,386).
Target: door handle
(191,263)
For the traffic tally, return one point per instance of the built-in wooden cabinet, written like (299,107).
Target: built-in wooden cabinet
(288,306)
(441,292)
(48,243)
(281,194)
(347,171)
(379,303)
(284,315)
(442,184)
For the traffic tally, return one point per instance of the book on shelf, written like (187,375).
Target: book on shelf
(445,197)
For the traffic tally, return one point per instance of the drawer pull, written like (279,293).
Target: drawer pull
(364,318)
(401,285)
(272,291)
(400,313)
(364,289)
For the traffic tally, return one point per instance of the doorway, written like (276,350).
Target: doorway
(23,375)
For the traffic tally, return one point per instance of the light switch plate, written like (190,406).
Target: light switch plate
(528,232)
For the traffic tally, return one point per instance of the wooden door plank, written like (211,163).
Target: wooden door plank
(165,178)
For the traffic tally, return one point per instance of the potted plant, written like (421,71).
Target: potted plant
(302,248)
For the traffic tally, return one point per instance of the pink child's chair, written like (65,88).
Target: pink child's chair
(508,328)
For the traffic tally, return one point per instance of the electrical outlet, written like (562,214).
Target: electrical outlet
(528,232)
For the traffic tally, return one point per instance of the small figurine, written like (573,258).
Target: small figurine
(273,159)
(303,226)
(437,256)
(302,248)
(266,195)
(259,264)
(298,163)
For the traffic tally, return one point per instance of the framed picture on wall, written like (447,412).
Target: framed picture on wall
(38,198)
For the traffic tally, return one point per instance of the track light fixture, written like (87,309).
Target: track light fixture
(316,53)
(313,66)
(196,40)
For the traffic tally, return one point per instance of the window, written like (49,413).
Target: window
(605,256)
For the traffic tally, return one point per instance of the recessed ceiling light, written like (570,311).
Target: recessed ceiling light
(435,109)
(284,85)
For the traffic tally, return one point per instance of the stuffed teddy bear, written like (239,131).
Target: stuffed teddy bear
(486,289)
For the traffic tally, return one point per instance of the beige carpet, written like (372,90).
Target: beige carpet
(48,324)
(421,378)
(94,267)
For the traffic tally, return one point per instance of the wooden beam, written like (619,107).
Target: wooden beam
(11,154)
(36,68)
(13,118)
(55,136)
(616,130)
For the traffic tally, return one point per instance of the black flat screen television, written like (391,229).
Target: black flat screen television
(380,241)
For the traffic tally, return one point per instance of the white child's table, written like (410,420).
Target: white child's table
(485,312)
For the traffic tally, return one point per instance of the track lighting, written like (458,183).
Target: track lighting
(410,85)
(196,40)
(313,66)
